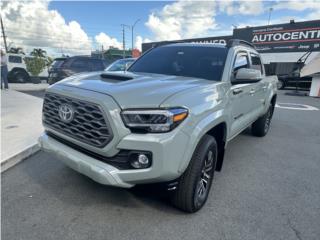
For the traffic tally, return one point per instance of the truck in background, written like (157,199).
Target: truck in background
(17,70)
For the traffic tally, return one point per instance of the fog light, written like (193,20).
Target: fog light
(140,160)
(143,159)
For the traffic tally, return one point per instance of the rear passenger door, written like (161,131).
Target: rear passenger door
(259,88)
(240,96)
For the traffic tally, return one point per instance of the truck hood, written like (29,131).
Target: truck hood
(134,90)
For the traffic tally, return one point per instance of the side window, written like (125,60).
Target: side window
(80,64)
(96,65)
(256,62)
(15,59)
(241,61)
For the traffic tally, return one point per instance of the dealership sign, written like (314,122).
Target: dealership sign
(218,40)
(291,37)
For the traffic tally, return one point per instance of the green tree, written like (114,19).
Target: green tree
(38,52)
(49,61)
(35,65)
(16,50)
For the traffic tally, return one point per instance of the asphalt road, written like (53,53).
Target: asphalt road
(269,188)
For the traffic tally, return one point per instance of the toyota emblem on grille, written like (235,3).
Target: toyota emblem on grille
(66,113)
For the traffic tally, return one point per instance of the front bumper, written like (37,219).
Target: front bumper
(167,150)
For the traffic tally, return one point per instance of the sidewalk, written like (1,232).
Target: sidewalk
(20,126)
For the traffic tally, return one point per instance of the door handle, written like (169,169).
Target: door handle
(264,88)
(237,91)
(252,91)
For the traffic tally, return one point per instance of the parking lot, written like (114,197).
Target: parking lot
(269,188)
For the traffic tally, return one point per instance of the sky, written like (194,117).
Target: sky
(78,27)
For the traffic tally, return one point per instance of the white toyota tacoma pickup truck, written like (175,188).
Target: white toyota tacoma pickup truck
(167,119)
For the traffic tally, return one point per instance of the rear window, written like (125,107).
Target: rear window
(256,62)
(205,62)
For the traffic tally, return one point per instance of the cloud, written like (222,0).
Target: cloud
(231,7)
(298,5)
(182,19)
(188,19)
(30,24)
(312,8)
(312,5)
(139,41)
(107,41)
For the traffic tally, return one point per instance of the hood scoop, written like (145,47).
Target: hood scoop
(116,76)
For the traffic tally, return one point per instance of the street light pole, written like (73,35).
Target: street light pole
(132,27)
(270,10)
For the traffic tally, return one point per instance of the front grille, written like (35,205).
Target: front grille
(88,124)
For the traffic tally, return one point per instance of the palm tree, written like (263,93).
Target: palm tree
(38,52)
(49,61)
(16,50)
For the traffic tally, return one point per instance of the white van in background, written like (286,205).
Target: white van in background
(17,70)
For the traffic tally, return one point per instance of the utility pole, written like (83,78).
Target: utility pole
(4,35)
(123,40)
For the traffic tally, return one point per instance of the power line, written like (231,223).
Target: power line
(71,48)
(50,35)
(38,36)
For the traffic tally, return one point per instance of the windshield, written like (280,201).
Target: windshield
(57,63)
(188,61)
(119,65)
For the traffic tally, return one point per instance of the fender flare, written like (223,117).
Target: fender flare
(202,128)
(16,70)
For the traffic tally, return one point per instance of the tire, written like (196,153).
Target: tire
(280,85)
(21,77)
(261,126)
(195,183)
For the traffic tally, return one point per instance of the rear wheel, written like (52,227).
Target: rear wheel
(194,185)
(261,126)
(21,77)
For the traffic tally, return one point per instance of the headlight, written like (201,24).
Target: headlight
(154,121)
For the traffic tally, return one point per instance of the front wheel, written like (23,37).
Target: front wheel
(280,85)
(261,126)
(21,77)
(194,185)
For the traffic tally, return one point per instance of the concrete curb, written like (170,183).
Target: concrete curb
(18,157)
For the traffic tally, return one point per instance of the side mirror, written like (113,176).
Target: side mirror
(247,75)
